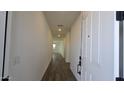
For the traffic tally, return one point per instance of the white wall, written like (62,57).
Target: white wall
(67,47)
(107,45)
(75,43)
(2,31)
(31,46)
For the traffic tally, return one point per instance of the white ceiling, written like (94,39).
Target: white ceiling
(65,18)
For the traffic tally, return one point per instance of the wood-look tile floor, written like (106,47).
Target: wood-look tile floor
(58,70)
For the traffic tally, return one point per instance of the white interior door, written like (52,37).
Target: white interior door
(98,46)
(88,46)
(91,46)
(86,51)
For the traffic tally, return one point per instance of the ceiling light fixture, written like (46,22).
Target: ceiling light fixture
(60,29)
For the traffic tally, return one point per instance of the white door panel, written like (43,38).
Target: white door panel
(88,38)
(83,73)
(86,51)
(98,46)
(95,37)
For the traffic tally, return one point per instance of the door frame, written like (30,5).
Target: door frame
(7,43)
(116,47)
(119,24)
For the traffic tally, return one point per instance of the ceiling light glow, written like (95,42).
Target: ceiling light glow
(60,29)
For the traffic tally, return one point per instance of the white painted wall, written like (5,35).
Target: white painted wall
(31,46)
(67,47)
(2,31)
(75,43)
(107,45)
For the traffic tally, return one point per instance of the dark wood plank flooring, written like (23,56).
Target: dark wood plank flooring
(58,70)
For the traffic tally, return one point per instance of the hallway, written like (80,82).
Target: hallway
(83,43)
(58,70)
